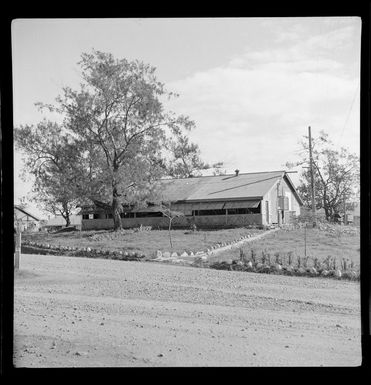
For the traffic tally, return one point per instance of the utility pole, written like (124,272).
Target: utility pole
(312,178)
(305,240)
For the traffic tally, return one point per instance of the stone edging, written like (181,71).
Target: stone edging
(174,257)
(83,251)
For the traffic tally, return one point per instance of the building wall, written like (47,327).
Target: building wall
(56,227)
(30,225)
(207,221)
(280,188)
(97,224)
(271,198)
(228,220)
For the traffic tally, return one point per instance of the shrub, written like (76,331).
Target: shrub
(253,255)
(263,257)
(334,264)
(316,263)
(277,257)
(327,262)
(268,260)
(242,255)
(289,257)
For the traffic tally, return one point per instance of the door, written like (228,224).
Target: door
(267,212)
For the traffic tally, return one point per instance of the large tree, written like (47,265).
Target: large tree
(117,116)
(336,176)
(51,157)
(184,159)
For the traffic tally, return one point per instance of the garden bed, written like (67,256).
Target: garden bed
(326,251)
(321,271)
(141,241)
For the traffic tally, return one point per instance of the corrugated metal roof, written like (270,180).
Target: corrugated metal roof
(207,205)
(221,187)
(179,189)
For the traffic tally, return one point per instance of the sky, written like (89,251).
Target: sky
(251,85)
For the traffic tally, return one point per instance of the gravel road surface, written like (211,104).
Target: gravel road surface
(81,312)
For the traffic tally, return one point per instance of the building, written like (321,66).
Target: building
(241,199)
(59,222)
(24,220)
(354,216)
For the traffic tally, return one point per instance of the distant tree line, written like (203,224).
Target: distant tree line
(336,174)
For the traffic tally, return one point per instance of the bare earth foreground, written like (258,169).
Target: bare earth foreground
(80,312)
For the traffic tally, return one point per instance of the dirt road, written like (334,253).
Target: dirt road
(73,312)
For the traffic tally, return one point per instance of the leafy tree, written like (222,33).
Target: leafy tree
(53,194)
(51,158)
(118,118)
(336,176)
(218,170)
(185,160)
(22,202)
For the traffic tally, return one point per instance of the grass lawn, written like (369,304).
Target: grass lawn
(319,244)
(146,242)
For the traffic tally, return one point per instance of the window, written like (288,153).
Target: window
(238,211)
(149,214)
(234,211)
(96,216)
(85,216)
(244,210)
(127,215)
(208,212)
(109,216)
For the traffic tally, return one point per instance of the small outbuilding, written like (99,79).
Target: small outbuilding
(58,222)
(237,200)
(353,216)
(24,220)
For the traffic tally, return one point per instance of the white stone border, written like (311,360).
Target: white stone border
(188,258)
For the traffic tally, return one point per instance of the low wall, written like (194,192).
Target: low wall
(228,220)
(207,221)
(97,224)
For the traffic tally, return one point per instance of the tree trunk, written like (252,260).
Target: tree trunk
(68,220)
(66,214)
(171,243)
(117,224)
(116,202)
(326,206)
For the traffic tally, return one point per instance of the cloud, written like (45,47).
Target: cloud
(254,110)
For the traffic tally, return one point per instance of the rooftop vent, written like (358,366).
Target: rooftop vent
(236,171)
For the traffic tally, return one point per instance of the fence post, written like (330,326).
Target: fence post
(17,254)
(305,239)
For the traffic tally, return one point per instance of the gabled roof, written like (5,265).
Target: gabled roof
(23,211)
(220,187)
(289,181)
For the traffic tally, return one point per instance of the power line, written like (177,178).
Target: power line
(348,115)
